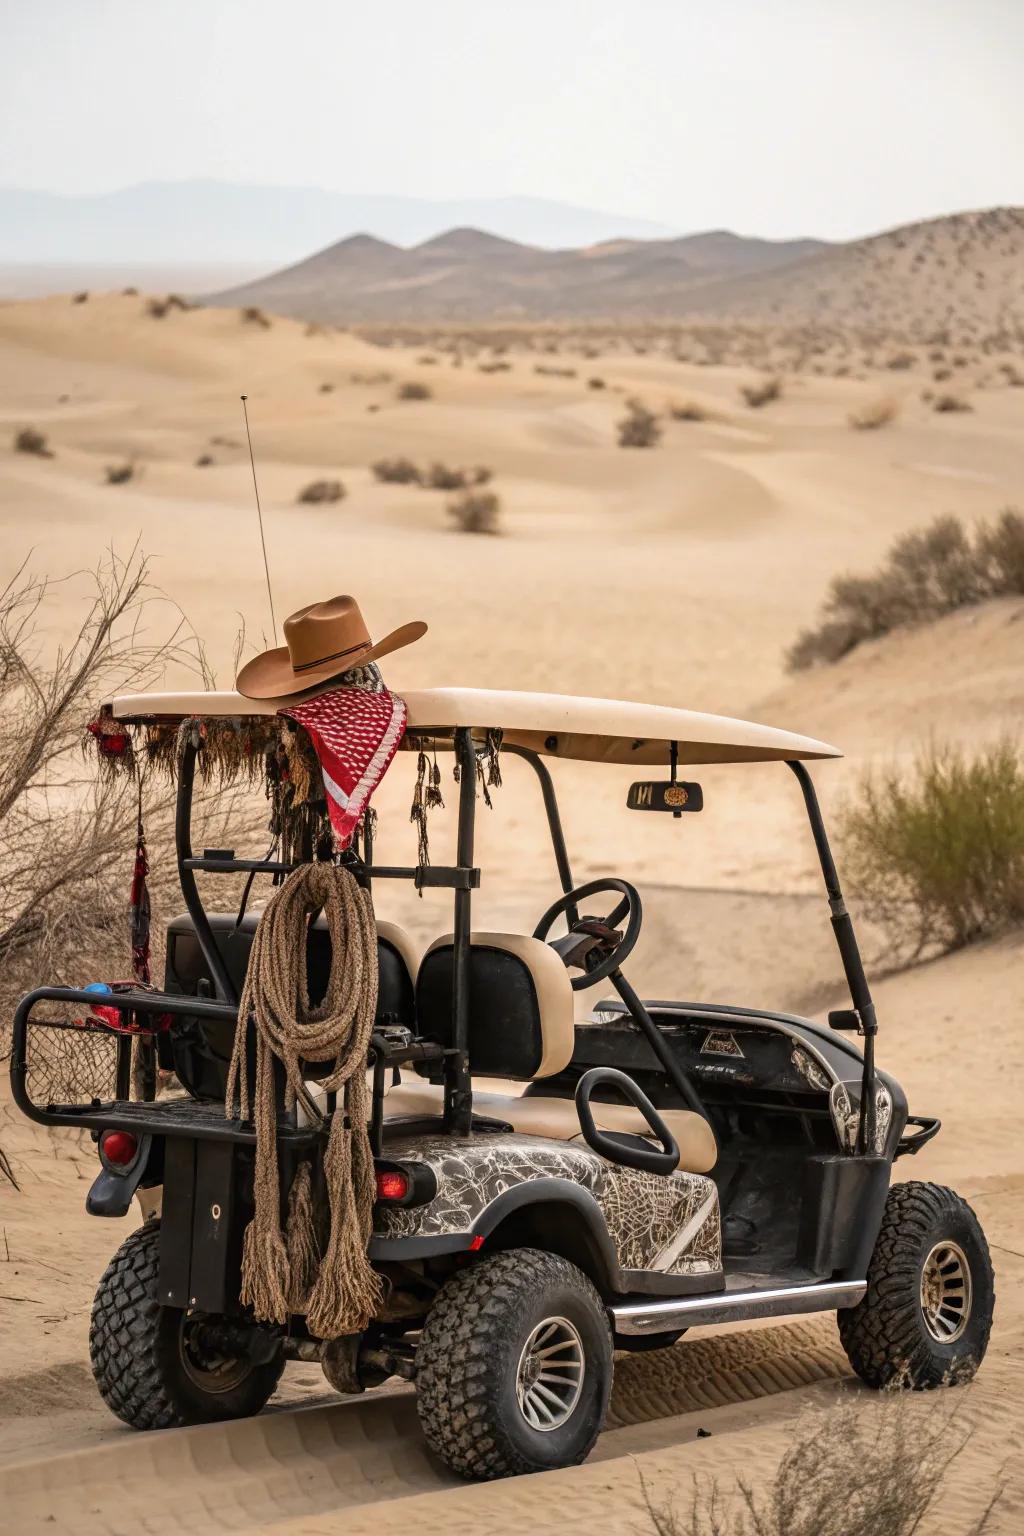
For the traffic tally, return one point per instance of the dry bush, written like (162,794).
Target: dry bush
(688,410)
(554,373)
(875,414)
(856,1469)
(927,573)
(500,366)
(476,511)
(322,490)
(639,428)
(763,392)
(120,474)
(900,361)
(595,383)
(396,471)
(326,388)
(157,309)
(413,389)
(28,440)
(251,314)
(481,474)
(949,403)
(80,298)
(936,854)
(205,460)
(442,477)
(130,292)
(370,378)
(67,839)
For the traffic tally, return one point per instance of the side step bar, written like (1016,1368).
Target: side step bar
(651,1317)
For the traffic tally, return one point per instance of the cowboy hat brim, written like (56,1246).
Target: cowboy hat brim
(272,676)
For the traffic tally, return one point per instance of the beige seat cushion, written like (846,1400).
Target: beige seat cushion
(558,1120)
(403,943)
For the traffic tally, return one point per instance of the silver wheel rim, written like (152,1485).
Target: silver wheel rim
(946,1292)
(549,1378)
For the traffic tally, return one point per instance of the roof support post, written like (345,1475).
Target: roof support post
(547,790)
(458,1093)
(186,876)
(849,953)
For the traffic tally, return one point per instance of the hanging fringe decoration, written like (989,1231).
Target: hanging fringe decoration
(426,796)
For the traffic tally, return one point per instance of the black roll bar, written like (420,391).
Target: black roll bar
(849,953)
(186,876)
(547,789)
(458,1091)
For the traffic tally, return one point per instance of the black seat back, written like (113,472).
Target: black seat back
(201,1050)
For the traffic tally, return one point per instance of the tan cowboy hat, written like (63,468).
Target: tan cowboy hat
(321,642)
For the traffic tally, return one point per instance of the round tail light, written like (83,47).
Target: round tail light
(118,1148)
(392,1185)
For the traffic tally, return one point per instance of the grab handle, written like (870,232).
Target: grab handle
(615,1146)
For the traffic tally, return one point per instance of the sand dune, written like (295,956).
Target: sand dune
(678,575)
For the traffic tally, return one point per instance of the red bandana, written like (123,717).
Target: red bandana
(355,733)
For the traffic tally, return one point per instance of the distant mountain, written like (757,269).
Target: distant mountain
(201,223)
(467,274)
(959,273)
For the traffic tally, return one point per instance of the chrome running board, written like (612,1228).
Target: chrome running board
(650,1317)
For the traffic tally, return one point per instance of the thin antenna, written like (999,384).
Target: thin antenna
(259,513)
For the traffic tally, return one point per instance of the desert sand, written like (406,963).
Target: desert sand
(678,575)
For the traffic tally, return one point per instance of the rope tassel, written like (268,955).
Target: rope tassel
(289,1271)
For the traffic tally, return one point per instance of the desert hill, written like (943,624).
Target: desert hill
(958,275)
(469,274)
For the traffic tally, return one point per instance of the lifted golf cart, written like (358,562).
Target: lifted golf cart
(668,1164)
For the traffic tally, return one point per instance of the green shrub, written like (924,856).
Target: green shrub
(640,428)
(928,573)
(936,854)
(397,471)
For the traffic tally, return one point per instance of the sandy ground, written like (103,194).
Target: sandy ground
(677,575)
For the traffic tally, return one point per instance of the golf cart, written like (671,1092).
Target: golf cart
(653,1167)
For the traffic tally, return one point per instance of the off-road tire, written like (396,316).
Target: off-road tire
(134,1346)
(885,1335)
(468,1358)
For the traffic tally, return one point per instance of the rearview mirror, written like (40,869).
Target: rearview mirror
(672,795)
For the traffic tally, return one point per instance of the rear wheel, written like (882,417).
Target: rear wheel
(926,1316)
(514,1366)
(156,1366)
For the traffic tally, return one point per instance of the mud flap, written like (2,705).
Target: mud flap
(201,1225)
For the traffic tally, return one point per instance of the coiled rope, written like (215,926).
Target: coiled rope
(325,1275)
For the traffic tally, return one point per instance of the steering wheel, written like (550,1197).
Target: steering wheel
(595,945)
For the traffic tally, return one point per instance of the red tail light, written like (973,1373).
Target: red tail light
(118,1148)
(392,1185)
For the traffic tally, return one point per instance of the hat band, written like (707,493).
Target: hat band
(304,666)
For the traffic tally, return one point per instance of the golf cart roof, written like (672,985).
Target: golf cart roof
(553,724)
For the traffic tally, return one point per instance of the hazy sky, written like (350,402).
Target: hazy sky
(825,117)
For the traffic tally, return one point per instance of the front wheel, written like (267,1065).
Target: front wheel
(925,1318)
(154,1365)
(514,1366)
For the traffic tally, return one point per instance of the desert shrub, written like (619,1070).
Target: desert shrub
(157,309)
(322,490)
(396,471)
(370,378)
(854,1469)
(426,360)
(763,392)
(120,474)
(554,373)
(475,511)
(936,854)
(639,428)
(28,440)
(205,460)
(948,403)
(500,366)
(443,477)
(901,361)
(251,314)
(1013,375)
(875,414)
(927,573)
(130,292)
(940,375)
(412,389)
(326,388)
(595,383)
(80,298)
(481,474)
(687,410)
